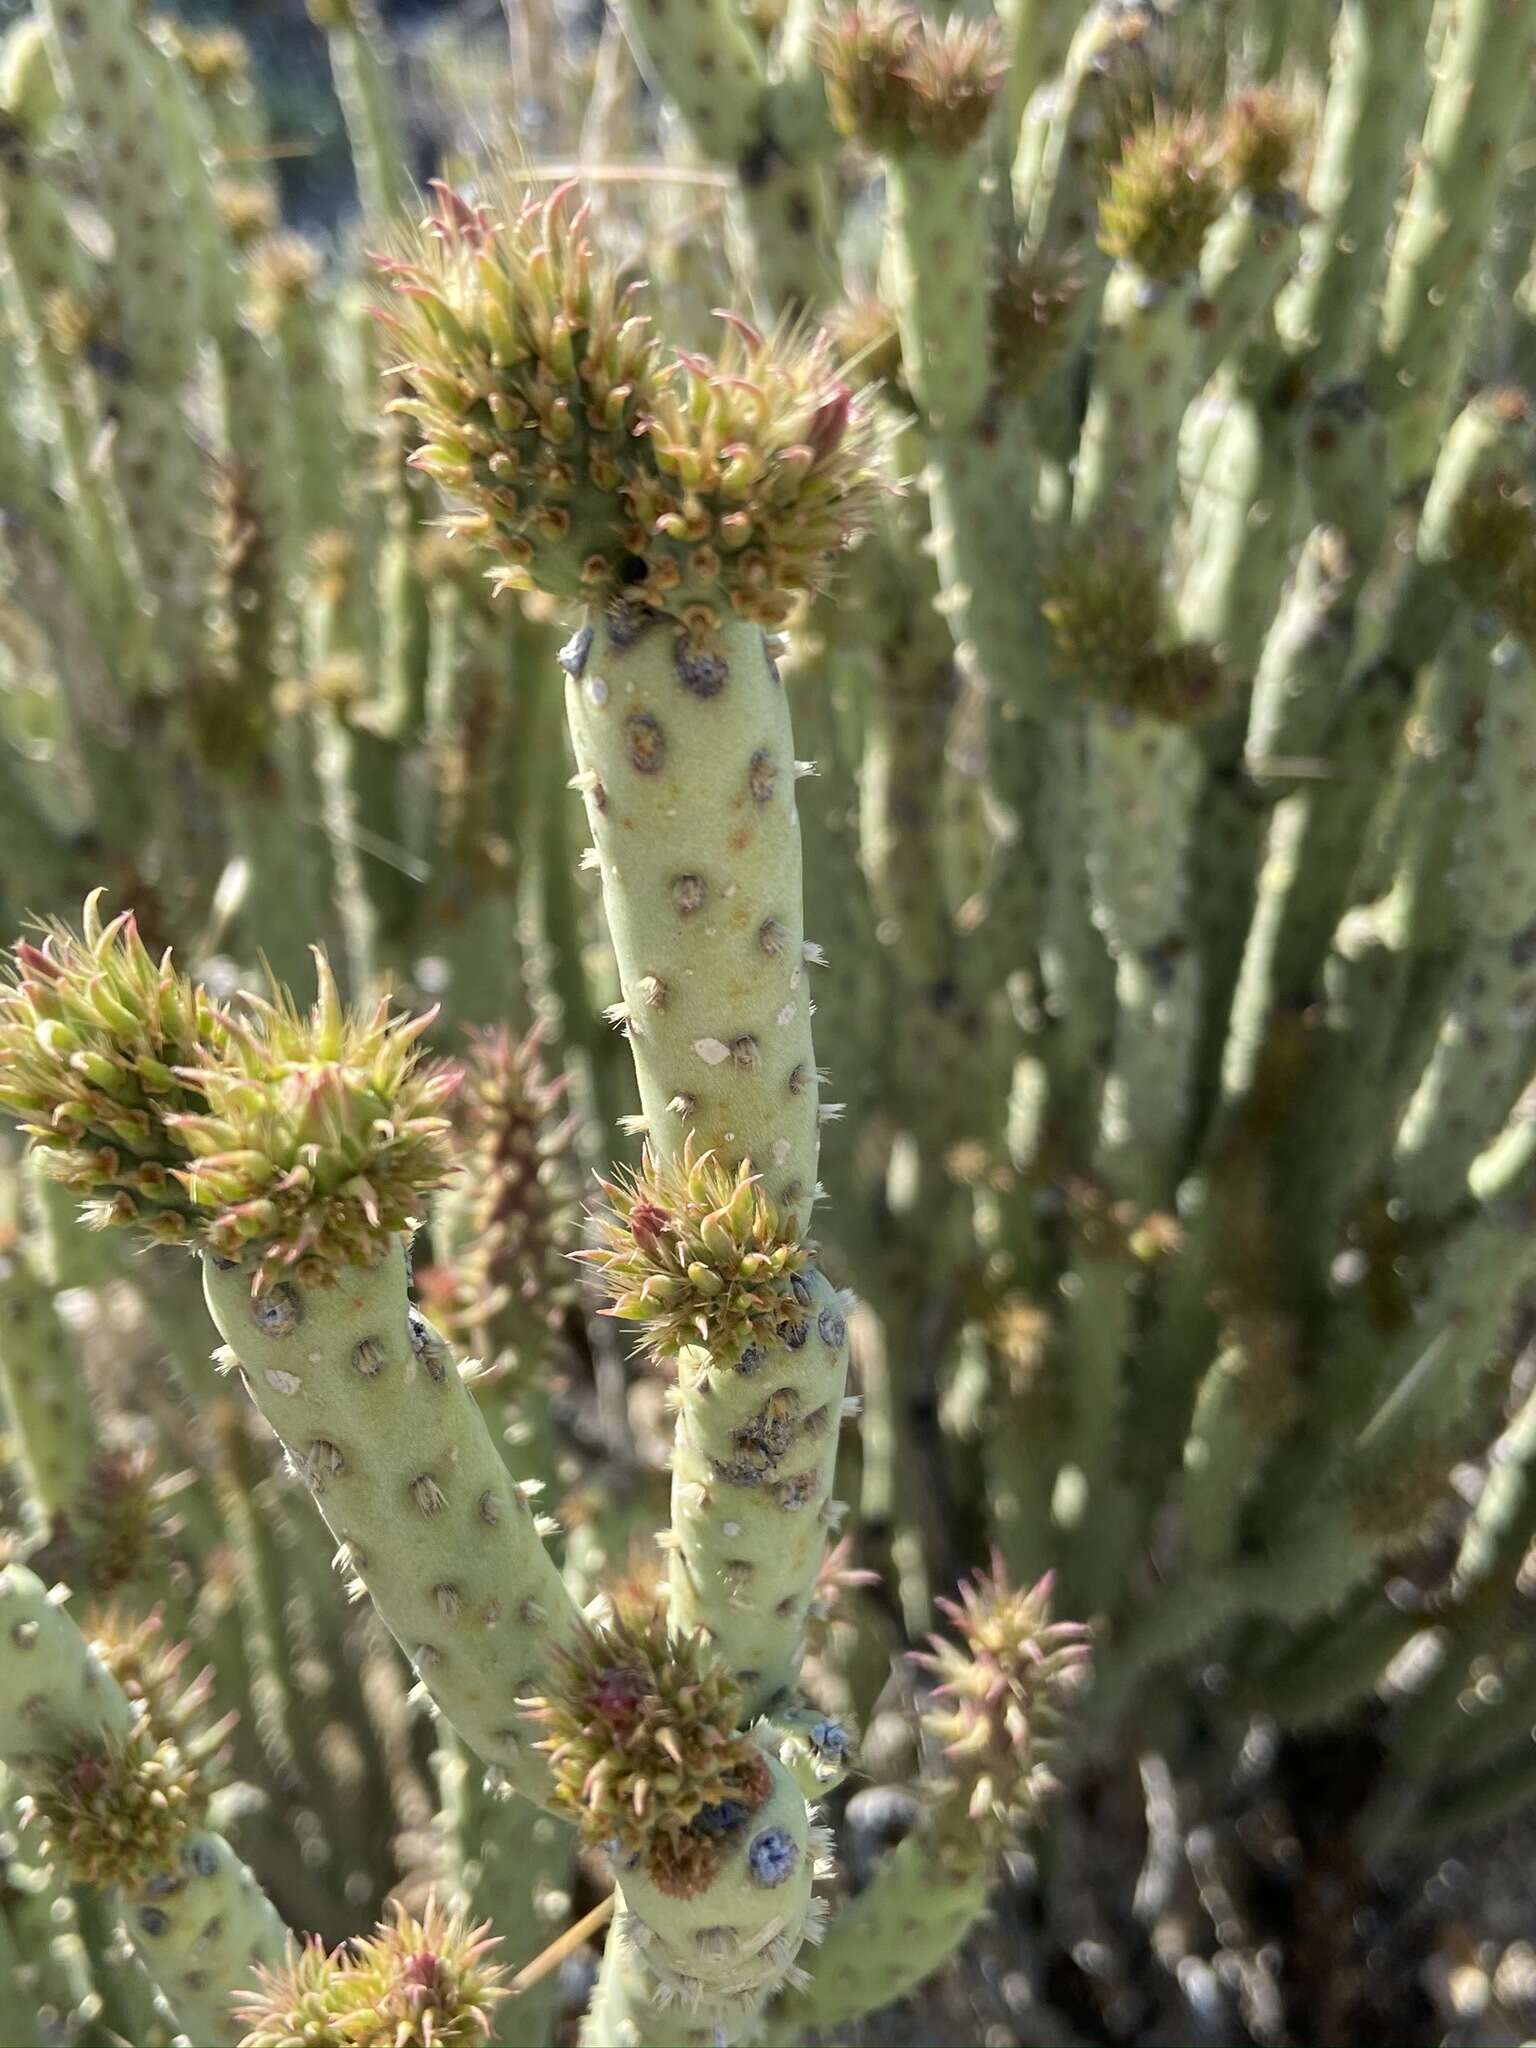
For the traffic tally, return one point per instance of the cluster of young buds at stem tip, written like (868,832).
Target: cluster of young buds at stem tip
(588,462)
(996,1704)
(300,1140)
(416,1983)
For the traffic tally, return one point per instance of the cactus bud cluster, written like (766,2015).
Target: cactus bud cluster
(1162,196)
(1102,601)
(305,1138)
(898,79)
(521,1212)
(426,1982)
(592,467)
(999,1694)
(117,1812)
(119,1809)
(643,1737)
(697,1253)
(1260,139)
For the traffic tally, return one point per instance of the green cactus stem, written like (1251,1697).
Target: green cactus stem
(1037,34)
(288,300)
(1433,1721)
(1163,196)
(52,1429)
(704,1261)
(1337,1664)
(364,86)
(194,1913)
(1307,650)
(57,297)
(1374,80)
(365,1397)
(1248,255)
(690,798)
(1421,346)
(1477,1063)
(1244,1403)
(993,1717)
(111,74)
(509,1866)
(921,92)
(1112,79)
(710,66)
(410,1485)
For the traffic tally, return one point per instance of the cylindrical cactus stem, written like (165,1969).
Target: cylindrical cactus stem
(921,92)
(1145,770)
(1248,255)
(1245,1402)
(1313,839)
(1037,35)
(687,764)
(1478,95)
(58,296)
(1375,73)
(248,1524)
(509,1866)
(708,63)
(366,91)
(366,1399)
(709,1265)
(21,1994)
(210,232)
(680,727)
(469,922)
(713,1849)
(1336,1665)
(823,692)
(286,300)
(112,78)
(371,1408)
(1311,639)
(122,1805)
(217,64)
(1143,374)
(939,246)
(52,1427)
(1302,663)
(1477,1064)
(1316,835)
(1073,129)
(982,484)
(1161,199)
(1077,974)
(749,1517)
(77,1966)
(1428,1376)
(1473,525)
(910,705)
(911,1919)
(1007,1692)
(1378,954)
(1430,1722)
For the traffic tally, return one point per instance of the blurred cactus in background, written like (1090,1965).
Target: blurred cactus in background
(825,1011)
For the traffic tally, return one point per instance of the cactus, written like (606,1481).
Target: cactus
(1049,667)
(119,1804)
